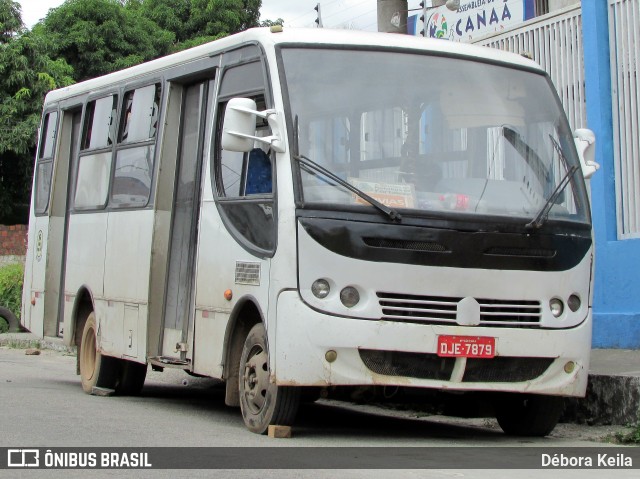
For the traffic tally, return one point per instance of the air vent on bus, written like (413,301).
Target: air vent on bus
(411,308)
(412,365)
(504,369)
(428,246)
(431,366)
(521,252)
(443,310)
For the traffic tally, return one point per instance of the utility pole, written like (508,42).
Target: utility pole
(319,16)
(392,16)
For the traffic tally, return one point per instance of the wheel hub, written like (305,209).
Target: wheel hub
(256,379)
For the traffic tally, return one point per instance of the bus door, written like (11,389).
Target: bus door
(51,210)
(178,308)
(61,207)
(36,265)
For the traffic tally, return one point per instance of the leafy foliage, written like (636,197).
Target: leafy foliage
(10,20)
(199,21)
(271,23)
(11,287)
(27,73)
(97,37)
(630,437)
(101,36)
(82,39)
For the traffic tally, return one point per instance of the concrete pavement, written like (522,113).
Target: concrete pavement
(613,394)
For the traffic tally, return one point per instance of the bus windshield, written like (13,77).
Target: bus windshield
(432,134)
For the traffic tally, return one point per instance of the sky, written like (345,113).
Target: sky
(355,14)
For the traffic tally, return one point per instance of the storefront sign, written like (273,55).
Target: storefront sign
(476,18)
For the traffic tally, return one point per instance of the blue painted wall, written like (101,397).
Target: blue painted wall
(617,278)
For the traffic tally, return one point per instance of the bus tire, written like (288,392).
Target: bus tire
(529,414)
(96,370)
(130,378)
(11,319)
(263,403)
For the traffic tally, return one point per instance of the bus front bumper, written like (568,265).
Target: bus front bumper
(315,349)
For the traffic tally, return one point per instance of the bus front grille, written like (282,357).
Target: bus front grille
(439,310)
(413,365)
(430,366)
(504,369)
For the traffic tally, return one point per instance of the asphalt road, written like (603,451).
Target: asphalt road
(44,406)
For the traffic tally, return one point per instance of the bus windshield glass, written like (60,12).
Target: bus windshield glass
(432,134)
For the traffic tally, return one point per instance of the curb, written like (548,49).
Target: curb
(27,340)
(610,400)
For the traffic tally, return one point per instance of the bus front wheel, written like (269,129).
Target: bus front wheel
(96,370)
(263,403)
(529,414)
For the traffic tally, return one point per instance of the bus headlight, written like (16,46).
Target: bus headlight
(349,296)
(320,288)
(574,302)
(556,306)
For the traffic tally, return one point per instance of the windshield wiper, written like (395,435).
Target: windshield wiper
(542,215)
(311,166)
(526,152)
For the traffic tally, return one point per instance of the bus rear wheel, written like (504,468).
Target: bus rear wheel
(131,378)
(529,414)
(263,403)
(96,370)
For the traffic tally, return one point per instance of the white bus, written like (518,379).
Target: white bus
(294,210)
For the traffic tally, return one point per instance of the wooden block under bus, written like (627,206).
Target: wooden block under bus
(279,431)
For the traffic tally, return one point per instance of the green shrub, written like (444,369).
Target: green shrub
(4,326)
(630,435)
(11,288)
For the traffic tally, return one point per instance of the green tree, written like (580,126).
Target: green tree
(27,73)
(194,22)
(10,20)
(271,23)
(101,36)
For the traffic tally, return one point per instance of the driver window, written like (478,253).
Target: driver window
(245,181)
(245,174)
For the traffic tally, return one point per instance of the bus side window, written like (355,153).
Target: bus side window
(94,163)
(136,147)
(244,182)
(259,175)
(45,162)
(246,174)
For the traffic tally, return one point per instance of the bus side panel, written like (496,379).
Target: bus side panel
(25,317)
(85,261)
(126,281)
(52,279)
(218,255)
(35,269)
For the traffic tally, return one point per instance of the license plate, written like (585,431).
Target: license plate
(466,347)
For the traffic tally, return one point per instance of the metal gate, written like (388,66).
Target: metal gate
(554,41)
(624,41)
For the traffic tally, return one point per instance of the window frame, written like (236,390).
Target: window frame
(84,152)
(226,204)
(48,160)
(218,185)
(120,145)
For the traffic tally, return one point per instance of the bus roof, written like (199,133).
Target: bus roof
(298,36)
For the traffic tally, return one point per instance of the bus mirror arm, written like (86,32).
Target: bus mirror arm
(585,144)
(238,131)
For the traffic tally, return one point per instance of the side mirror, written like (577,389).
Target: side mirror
(239,127)
(585,144)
